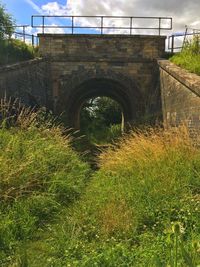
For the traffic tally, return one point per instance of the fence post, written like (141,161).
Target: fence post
(43,24)
(24,34)
(172,47)
(72,24)
(131,25)
(159,26)
(101,25)
(33,40)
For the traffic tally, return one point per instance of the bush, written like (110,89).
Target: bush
(13,51)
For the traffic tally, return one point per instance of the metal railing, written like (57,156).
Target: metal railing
(102,26)
(20,32)
(172,39)
(24,36)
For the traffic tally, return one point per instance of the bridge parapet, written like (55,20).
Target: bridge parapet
(101,47)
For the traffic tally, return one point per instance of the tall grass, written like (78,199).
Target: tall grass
(12,51)
(39,174)
(141,208)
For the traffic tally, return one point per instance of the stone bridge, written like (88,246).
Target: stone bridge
(121,67)
(74,68)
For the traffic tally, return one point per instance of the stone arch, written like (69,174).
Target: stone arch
(76,88)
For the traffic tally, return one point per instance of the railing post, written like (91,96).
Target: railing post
(24,34)
(43,24)
(172,47)
(131,25)
(33,40)
(72,24)
(101,25)
(159,26)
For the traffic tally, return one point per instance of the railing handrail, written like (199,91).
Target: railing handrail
(172,37)
(24,34)
(101,26)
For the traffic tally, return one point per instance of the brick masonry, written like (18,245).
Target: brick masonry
(180,96)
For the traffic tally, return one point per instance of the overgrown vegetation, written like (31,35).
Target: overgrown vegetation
(11,50)
(141,208)
(39,174)
(101,120)
(189,58)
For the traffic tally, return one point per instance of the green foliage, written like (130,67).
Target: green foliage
(7,23)
(189,58)
(100,120)
(104,134)
(141,208)
(12,51)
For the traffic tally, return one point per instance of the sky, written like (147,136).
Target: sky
(184,12)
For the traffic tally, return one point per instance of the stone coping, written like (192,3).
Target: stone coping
(67,59)
(190,80)
(21,64)
(107,36)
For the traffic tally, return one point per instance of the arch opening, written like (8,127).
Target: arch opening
(74,94)
(73,98)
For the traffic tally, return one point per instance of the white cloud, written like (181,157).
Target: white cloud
(54,8)
(196,24)
(53,30)
(184,12)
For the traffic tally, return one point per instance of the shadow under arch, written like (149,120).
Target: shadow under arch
(121,89)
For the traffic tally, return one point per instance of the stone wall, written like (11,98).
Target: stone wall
(101,46)
(180,96)
(127,61)
(27,81)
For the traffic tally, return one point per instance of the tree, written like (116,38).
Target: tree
(108,111)
(6,23)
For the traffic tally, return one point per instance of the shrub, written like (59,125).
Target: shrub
(13,51)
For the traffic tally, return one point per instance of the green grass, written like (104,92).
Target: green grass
(12,51)
(39,175)
(104,135)
(189,58)
(141,208)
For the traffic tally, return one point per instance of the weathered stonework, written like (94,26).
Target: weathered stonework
(91,46)
(75,68)
(124,65)
(180,96)
(27,81)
